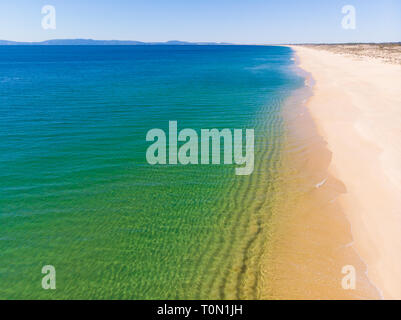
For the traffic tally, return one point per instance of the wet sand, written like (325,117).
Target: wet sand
(312,239)
(356,109)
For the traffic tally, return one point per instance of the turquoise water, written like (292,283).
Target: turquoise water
(77,193)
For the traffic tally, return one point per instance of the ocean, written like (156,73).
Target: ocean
(77,193)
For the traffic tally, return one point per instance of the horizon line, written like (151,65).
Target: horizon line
(89,41)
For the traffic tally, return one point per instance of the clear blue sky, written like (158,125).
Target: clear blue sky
(238,21)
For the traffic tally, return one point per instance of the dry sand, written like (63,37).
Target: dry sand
(356,107)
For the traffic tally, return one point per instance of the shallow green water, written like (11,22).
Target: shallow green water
(77,193)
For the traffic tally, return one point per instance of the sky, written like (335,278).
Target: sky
(235,21)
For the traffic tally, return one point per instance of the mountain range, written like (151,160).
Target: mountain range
(70,42)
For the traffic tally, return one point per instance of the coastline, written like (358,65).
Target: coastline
(311,239)
(354,109)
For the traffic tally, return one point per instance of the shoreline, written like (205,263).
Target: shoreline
(311,242)
(347,109)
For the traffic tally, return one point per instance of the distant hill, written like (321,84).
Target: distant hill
(91,42)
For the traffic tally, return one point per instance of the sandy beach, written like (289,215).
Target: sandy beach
(356,107)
